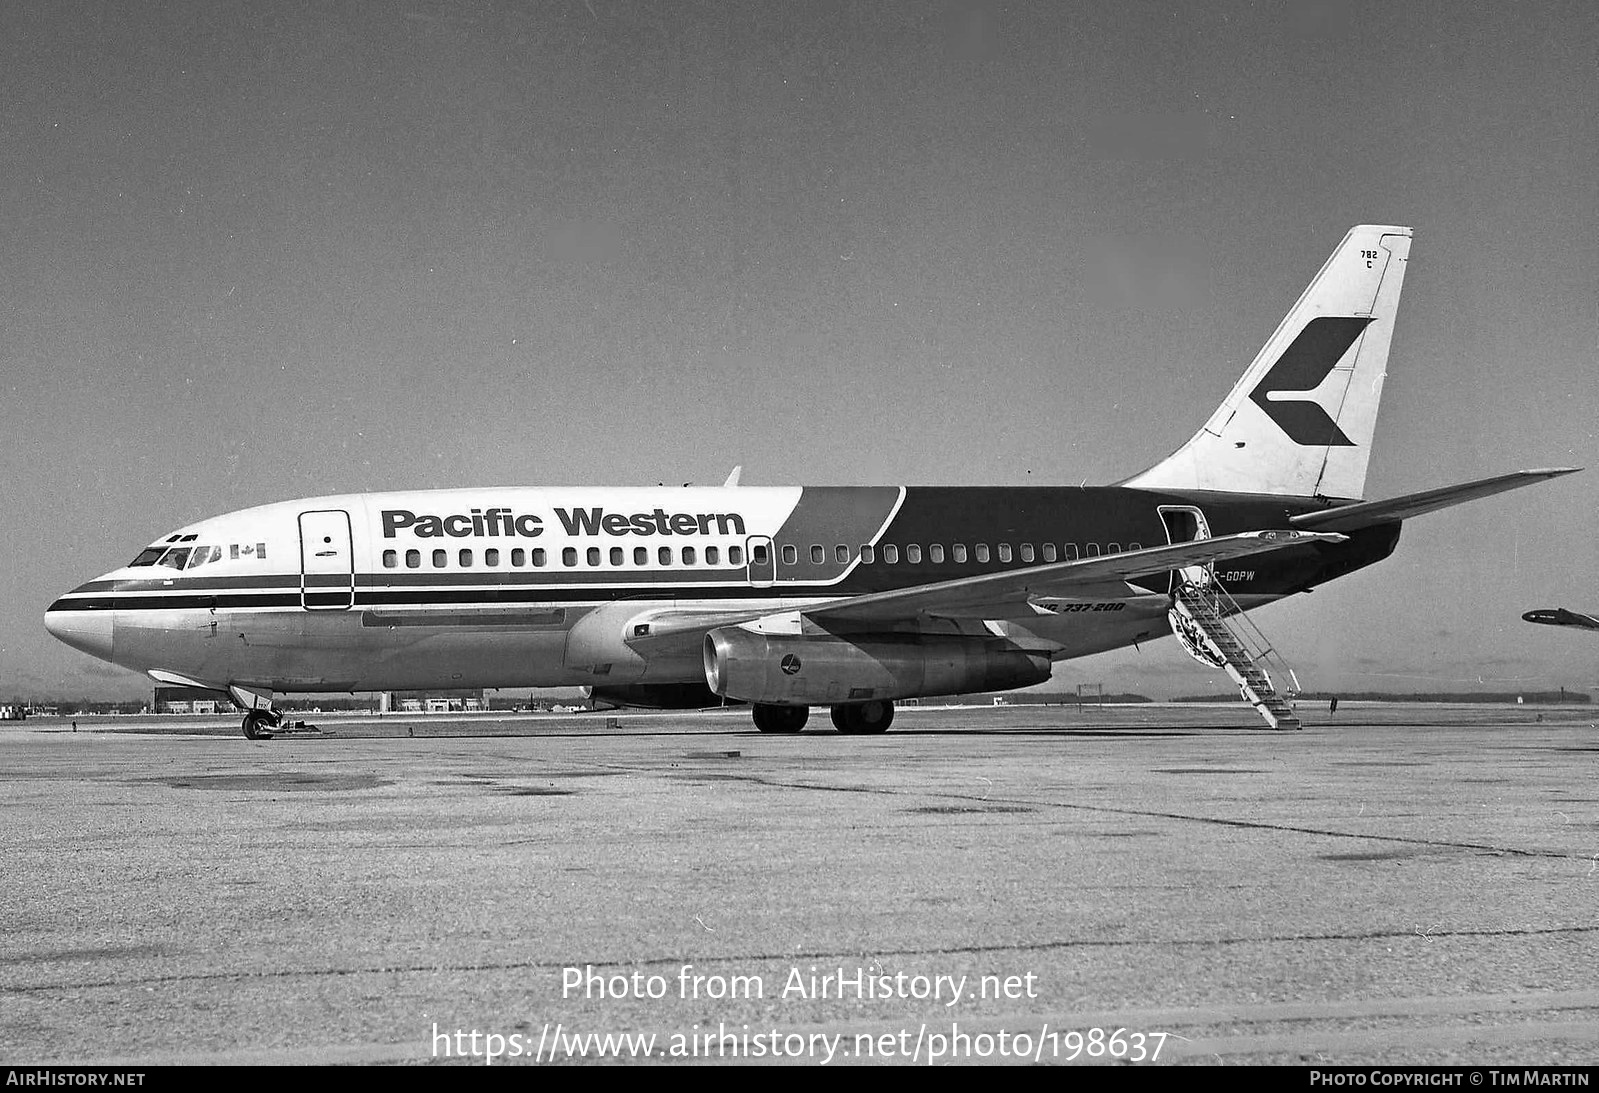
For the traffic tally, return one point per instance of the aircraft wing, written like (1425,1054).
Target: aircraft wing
(1559,616)
(992,595)
(1367,514)
(1098,577)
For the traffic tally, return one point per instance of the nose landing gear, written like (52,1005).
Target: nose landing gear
(259,716)
(257,722)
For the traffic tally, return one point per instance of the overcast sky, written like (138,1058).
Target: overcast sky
(251,253)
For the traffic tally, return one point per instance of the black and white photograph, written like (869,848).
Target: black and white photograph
(725,532)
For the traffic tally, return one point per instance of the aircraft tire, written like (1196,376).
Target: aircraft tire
(255,723)
(863,718)
(781,718)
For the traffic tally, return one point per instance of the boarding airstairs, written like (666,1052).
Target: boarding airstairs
(1215,631)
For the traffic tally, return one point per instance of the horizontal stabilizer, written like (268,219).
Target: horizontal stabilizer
(1371,513)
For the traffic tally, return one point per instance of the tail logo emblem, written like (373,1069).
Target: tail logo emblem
(1299,371)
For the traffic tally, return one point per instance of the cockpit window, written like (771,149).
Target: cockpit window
(176,558)
(183,556)
(204,554)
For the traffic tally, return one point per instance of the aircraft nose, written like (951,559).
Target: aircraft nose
(90,631)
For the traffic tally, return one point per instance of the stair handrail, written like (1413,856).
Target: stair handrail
(1233,615)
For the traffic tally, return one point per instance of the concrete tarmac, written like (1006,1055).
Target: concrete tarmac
(1396,884)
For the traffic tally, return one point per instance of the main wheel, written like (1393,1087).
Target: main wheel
(781,718)
(863,718)
(255,725)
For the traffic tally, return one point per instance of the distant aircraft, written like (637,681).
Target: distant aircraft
(1559,616)
(786,597)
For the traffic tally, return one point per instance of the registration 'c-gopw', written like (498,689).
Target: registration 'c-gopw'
(788,598)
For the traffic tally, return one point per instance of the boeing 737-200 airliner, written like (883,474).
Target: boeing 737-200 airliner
(788,598)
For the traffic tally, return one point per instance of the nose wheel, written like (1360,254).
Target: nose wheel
(257,722)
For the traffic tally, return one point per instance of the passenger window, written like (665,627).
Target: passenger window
(1049,552)
(841,554)
(1134,546)
(441,558)
(758,554)
(665,555)
(688,555)
(466,559)
(1004,552)
(790,555)
(981,552)
(735,555)
(913,553)
(959,551)
(593,555)
(491,557)
(1112,548)
(391,559)
(617,556)
(891,555)
(868,555)
(641,555)
(713,556)
(569,555)
(818,555)
(538,557)
(413,559)
(519,557)
(936,552)
(1093,550)
(1027,552)
(1071,552)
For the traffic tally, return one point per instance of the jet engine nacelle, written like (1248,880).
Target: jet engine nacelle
(823,671)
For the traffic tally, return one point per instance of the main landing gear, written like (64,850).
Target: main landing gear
(863,718)
(856,719)
(781,718)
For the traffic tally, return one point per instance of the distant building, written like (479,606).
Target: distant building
(462,701)
(190,700)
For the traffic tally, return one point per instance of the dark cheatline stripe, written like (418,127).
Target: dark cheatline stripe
(420,598)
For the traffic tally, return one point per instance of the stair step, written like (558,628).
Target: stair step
(1204,608)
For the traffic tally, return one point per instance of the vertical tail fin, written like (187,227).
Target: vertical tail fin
(1301,419)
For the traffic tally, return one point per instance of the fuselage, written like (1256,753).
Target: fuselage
(492,587)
